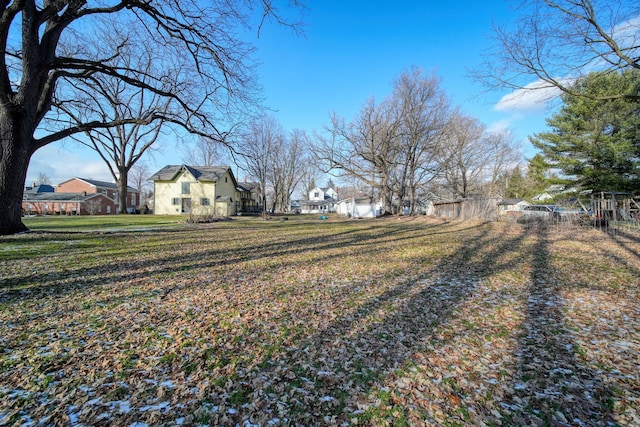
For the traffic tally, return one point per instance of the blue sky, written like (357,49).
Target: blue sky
(353,50)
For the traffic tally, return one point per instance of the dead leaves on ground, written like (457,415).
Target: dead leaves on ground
(353,323)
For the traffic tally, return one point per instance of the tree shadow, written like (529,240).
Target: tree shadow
(309,372)
(37,284)
(326,372)
(627,241)
(551,385)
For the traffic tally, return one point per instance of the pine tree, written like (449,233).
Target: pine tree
(595,142)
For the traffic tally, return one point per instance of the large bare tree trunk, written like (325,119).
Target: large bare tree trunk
(123,185)
(14,160)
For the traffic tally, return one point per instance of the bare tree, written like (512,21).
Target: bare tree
(364,148)
(286,158)
(464,156)
(139,177)
(423,110)
(310,174)
(264,136)
(503,155)
(556,42)
(43,179)
(45,46)
(206,152)
(141,113)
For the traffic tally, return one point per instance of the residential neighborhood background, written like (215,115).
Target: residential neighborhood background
(214,191)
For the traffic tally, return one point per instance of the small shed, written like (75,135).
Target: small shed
(359,207)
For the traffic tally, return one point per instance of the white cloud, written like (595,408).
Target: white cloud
(500,126)
(60,164)
(532,98)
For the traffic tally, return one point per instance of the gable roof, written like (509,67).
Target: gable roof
(40,188)
(61,197)
(249,186)
(511,202)
(201,173)
(99,184)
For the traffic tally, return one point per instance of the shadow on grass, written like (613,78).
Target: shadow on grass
(325,373)
(628,241)
(98,264)
(551,386)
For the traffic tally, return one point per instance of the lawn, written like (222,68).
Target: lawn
(411,321)
(101,222)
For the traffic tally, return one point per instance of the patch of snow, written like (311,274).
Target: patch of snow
(124,406)
(162,406)
(562,371)
(103,416)
(95,401)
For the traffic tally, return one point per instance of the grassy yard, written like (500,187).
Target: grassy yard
(410,321)
(100,222)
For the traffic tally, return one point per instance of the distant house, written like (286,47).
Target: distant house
(108,189)
(359,207)
(58,203)
(39,188)
(321,200)
(542,197)
(199,190)
(552,192)
(248,195)
(511,207)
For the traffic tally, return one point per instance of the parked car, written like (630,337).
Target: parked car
(542,212)
(552,213)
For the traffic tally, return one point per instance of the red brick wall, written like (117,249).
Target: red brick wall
(75,186)
(78,186)
(107,207)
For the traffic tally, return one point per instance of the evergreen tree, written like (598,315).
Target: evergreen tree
(516,185)
(595,142)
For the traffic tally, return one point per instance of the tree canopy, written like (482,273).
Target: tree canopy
(593,142)
(200,63)
(553,43)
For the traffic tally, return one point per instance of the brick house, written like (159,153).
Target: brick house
(107,189)
(67,204)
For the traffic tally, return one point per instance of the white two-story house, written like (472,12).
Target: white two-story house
(321,200)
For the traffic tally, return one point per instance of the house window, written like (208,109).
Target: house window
(186,188)
(108,209)
(175,201)
(105,192)
(225,179)
(205,201)
(316,194)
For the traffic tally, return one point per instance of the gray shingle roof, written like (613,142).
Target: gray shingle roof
(201,173)
(41,188)
(59,197)
(103,184)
